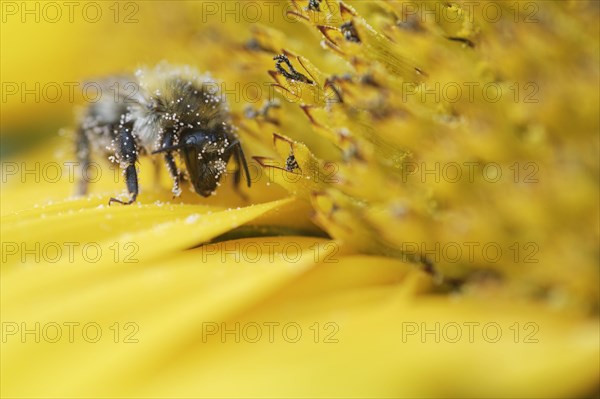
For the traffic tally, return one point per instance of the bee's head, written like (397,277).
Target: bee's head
(205,155)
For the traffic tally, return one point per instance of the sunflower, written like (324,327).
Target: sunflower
(423,219)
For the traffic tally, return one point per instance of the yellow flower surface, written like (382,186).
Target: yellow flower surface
(423,219)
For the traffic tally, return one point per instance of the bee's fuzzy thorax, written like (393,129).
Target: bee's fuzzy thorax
(177,97)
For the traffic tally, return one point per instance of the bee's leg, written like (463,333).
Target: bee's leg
(127,152)
(82,148)
(156,166)
(240,160)
(171,165)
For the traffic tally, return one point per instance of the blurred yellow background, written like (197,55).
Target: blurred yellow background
(47,46)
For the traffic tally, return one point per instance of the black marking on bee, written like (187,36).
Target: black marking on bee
(293,74)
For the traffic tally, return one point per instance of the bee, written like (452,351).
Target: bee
(170,110)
